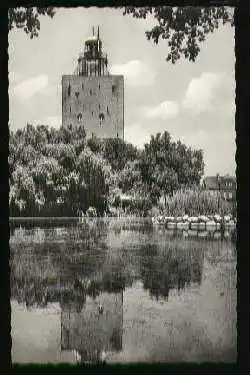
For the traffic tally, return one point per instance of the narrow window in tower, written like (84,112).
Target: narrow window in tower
(101,118)
(99,86)
(117,135)
(79,117)
(67,336)
(108,110)
(99,106)
(70,108)
(90,91)
(77,94)
(69,90)
(113,89)
(92,113)
(82,86)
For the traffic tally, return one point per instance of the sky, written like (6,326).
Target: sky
(194,102)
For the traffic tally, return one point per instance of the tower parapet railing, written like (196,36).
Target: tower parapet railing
(92,62)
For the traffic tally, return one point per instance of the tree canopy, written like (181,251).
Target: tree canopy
(28,19)
(59,172)
(184,28)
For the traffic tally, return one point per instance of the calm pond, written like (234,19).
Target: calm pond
(122,288)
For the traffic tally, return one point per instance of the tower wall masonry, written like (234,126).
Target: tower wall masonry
(97,102)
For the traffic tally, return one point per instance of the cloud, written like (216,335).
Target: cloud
(26,89)
(136,73)
(166,110)
(55,121)
(201,91)
(136,134)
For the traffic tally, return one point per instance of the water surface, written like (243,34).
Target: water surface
(123,288)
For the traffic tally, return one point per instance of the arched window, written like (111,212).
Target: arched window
(79,117)
(101,118)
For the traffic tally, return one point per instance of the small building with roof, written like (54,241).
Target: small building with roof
(224,185)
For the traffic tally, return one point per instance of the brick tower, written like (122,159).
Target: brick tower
(91,96)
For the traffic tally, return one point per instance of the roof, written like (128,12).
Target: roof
(211,182)
(219,182)
(92,38)
(228,179)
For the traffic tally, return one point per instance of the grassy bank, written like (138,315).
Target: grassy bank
(196,202)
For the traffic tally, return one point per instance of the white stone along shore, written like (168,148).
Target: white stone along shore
(202,222)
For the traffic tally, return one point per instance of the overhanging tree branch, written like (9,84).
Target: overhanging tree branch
(184,28)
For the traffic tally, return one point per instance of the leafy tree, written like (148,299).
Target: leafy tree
(96,173)
(28,19)
(57,172)
(184,28)
(166,180)
(95,144)
(64,153)
(130,176)
(22,192)
(49,180)
(165,165)
(117,152)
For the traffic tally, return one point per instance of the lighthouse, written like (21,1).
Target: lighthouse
(91,96)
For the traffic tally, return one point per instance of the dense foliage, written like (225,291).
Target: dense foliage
(184,28)
(28,19)
(57,172)
(196,202)
(161,267)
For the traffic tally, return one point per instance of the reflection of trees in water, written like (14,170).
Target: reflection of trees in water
(29,291)
(172,268)
(70,283)
(55,263)
(82,265)
(73,299)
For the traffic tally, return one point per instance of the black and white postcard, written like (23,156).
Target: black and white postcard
(122,185)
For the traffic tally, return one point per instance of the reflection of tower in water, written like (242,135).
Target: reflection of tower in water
(97,328)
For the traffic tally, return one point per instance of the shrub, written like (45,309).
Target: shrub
(154,211)
(196,202)
(91,212)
